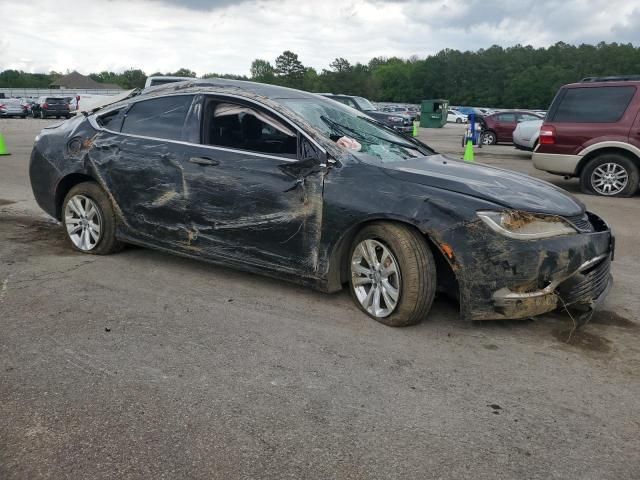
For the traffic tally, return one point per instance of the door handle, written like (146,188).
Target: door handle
(205,161)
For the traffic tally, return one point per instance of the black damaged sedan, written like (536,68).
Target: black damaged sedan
(297,186)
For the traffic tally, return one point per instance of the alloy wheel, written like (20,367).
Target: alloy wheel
(375,277)
(609,178)
(83,220)
(488,139)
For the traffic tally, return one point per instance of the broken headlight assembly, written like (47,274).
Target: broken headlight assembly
(526,226)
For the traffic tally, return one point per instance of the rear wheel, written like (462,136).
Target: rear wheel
(488,138)
(89,220)
(611,175)
(392,274)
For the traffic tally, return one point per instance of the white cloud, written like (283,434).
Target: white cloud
(225,36)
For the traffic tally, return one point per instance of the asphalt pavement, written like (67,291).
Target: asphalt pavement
(148,365)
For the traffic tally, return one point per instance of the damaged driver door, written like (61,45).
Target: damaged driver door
(255,188)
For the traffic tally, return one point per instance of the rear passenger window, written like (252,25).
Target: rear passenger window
(507,117)
(159,118)
(593,105)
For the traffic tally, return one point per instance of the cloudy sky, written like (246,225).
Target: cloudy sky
(224,36)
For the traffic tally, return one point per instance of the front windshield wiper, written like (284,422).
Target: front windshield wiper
(363,136)
(417,145)
(342,129)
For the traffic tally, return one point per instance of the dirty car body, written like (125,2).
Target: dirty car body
(505,245)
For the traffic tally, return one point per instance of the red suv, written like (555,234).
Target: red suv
(592,132)
(499,127)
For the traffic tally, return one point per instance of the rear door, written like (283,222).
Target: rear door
(586,115)
(505,125)
(139,157)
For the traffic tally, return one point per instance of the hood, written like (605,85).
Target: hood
(503,187)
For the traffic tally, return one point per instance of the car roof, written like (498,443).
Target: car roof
(220,85)
(513,111)
(591,84)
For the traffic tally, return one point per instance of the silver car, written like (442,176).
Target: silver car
(525,136)
(12,107)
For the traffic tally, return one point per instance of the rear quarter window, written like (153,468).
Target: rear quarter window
(592,105)
(158,118)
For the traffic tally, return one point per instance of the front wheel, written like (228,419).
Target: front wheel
(458,120)
(392,274)
(89,220)
(488,138)
(611,175)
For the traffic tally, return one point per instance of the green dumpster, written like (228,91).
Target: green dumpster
(434,113)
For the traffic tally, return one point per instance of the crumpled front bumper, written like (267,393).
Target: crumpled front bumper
(584,289)
(504,278)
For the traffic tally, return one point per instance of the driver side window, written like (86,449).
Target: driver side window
(246,127)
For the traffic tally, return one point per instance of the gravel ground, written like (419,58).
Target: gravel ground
(147,365)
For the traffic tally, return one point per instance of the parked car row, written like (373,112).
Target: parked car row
(43,107)
(401,122)
(499,127)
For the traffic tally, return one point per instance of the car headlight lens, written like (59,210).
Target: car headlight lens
(395,119)
(526,226)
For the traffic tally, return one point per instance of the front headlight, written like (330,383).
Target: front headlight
(396,119)
(526,226)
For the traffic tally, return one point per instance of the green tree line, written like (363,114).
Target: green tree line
(518,76)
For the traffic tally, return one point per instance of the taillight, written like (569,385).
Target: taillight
(45,105)
(1,105)
(547,135)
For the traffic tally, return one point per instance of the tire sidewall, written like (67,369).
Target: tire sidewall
(624,162)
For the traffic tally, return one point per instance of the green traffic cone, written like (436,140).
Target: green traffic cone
(3,146)
(468,152)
